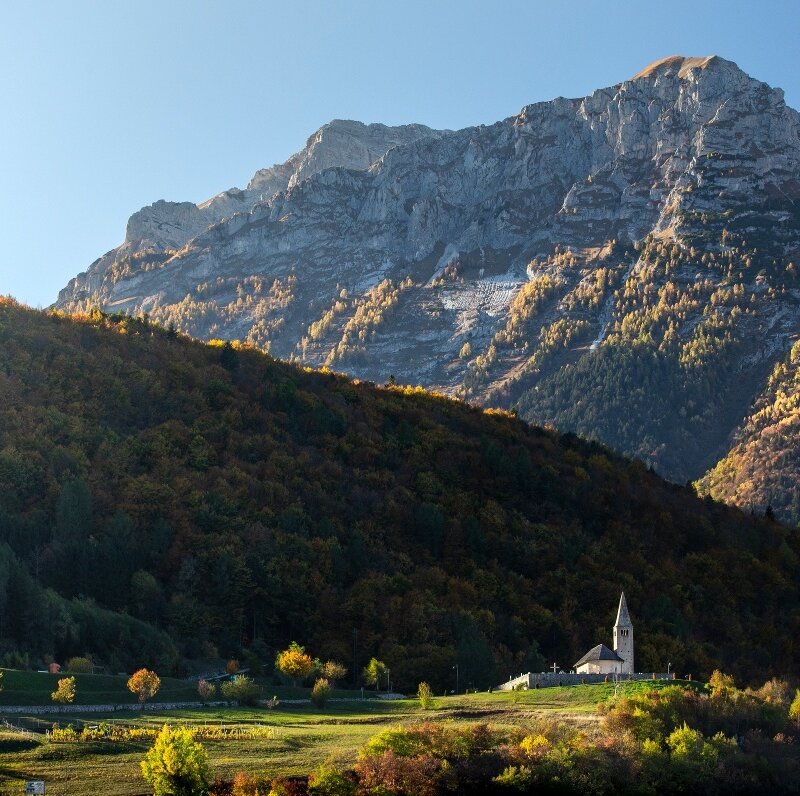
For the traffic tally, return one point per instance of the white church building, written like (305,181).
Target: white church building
(600,664)
(601,659)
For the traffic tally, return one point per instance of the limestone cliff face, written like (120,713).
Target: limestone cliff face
(159,230)
(488,262)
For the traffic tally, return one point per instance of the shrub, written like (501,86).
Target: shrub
(794,708)
(288,786)
(320,692)
(241,689)
(393,774)
(329,781)
(245,785)
(232,666)
(425,696)
(80,665)
(206,690)
(176,765)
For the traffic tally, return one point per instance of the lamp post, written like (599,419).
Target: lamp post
(355,659)
(669,664)
(456,668)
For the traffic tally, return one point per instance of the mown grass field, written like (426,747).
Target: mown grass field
(300,736)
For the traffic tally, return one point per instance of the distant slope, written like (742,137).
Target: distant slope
(762,470)
(238,503)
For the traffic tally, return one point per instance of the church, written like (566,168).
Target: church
(601,659)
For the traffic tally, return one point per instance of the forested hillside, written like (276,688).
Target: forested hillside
(762,470)
(156,488)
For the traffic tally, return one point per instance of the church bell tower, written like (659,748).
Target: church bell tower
(623,636)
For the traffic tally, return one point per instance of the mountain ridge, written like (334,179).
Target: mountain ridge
(659,214)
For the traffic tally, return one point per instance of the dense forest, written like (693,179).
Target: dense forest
(164,500)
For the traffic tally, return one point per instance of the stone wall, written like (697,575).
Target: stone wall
(550,679)
(149,706)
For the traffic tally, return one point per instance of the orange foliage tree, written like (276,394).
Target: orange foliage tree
(144,684)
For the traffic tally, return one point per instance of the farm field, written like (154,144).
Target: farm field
(290,739)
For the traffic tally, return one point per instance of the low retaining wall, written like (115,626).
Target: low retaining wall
(148,706)
(551,679)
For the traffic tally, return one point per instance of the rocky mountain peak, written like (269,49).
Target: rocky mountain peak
(504,262)
(679,65)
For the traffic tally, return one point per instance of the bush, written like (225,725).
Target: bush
(79,665)
(794,708)
(321,692)
(241,689)
(288,786)
(329,781)
(392,774)
(205,690)
(245,785)
(425,696)
(176,765)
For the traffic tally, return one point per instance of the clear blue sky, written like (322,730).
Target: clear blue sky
(108,106)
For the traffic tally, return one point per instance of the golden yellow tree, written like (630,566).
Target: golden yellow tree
(144,684)
(294,662)
(65,693)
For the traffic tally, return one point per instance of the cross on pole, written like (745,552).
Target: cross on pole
(554,667)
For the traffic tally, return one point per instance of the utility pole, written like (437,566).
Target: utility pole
(355,659)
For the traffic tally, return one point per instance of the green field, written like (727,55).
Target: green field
(34,688)
(299,739)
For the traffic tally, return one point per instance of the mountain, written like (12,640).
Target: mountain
(622,265)
(159,496)
(762,469)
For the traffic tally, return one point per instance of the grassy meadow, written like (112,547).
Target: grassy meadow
(289,739)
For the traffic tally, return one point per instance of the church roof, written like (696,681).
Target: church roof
(599,653)
(623,617)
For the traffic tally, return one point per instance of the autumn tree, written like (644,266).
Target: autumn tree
(720,685)
(176,765)
(205,690)
(333,671)
(65,693)
(144,684)
(374,672)
(294,662)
